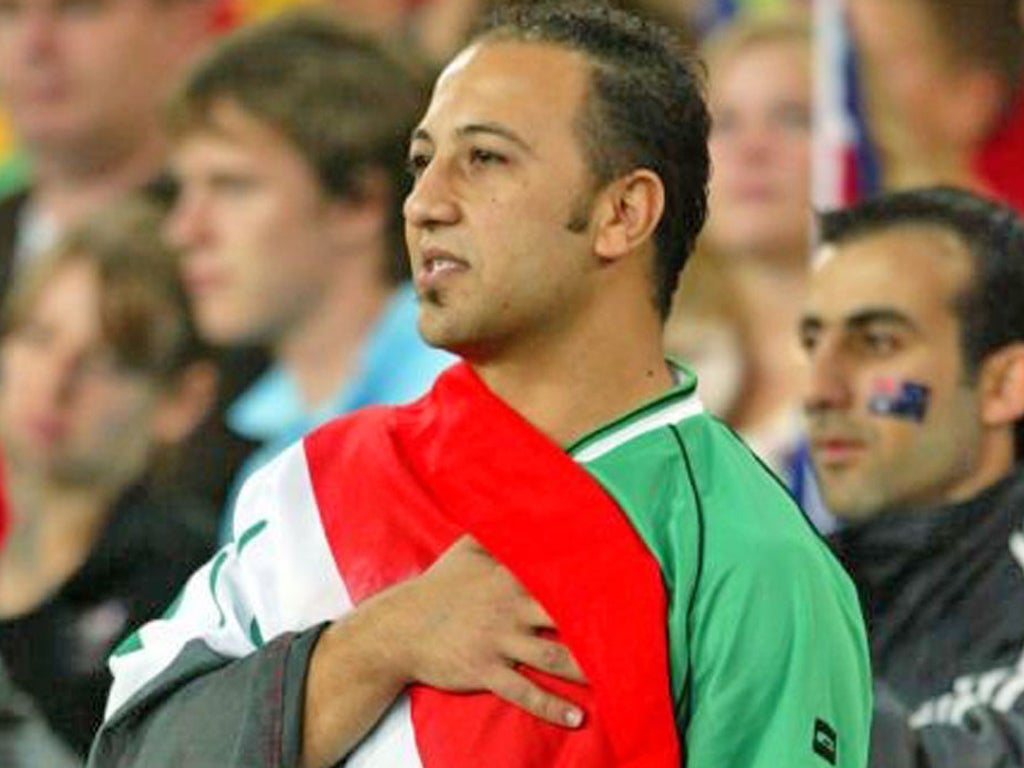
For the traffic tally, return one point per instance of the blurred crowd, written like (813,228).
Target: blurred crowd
(201,259)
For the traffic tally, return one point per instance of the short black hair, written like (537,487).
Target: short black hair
(991,307)
(645,109)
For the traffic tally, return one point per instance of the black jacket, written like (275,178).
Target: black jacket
(943,594)
(57,652)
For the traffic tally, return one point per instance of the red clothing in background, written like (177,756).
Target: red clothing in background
(999,161)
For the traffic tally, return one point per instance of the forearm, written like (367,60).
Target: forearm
(461,626)
(352,681)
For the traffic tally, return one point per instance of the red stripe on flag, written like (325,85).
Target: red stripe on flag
(396,486)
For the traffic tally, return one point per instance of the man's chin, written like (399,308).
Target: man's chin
(849,507)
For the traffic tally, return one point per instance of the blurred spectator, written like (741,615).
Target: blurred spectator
(100,370)
(83,84)
(25,739)
(945,90)
(915,331)
(290,154)
(440,27)
(756,246)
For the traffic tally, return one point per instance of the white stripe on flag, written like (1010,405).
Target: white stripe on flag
(392,744)
(834,133)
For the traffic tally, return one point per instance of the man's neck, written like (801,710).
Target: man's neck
(324,349)
(571,388)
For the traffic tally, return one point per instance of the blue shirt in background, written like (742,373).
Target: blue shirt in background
(396,366)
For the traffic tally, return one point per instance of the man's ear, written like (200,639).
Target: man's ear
(1002,386)
(627,214)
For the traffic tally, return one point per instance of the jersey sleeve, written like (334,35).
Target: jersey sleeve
(232,645)
(779,663)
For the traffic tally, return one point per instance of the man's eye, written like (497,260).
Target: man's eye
(725,122)
(479,156)
(34,333)
(416,164)
(9,9)
(235,184)
(795,117)
(881,343)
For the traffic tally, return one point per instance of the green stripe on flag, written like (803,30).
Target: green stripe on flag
(251,533)
(130,644)
(255,634)
(214,573)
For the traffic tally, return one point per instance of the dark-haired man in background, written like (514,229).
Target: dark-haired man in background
(446,584)
(915,333)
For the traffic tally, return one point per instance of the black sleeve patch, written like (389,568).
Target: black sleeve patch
(825,742)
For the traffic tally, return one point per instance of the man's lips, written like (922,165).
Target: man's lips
(835,450)
(46,429)
(201,282)
(437,265)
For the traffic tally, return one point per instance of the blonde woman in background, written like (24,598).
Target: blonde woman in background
(737,321)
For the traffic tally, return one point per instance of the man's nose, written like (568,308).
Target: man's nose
(828,385)
(432,200)
(187,223)
(38,26)
(59,377)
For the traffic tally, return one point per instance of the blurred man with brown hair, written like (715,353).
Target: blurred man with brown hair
(289,153)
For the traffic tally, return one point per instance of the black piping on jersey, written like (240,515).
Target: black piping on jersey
(674,429)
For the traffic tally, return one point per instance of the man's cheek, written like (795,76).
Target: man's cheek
(895,398)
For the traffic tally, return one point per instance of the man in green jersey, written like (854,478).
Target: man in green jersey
(396,561)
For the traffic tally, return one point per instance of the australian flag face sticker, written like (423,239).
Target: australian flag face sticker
(900,399)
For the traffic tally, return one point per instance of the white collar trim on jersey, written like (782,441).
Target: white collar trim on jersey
(671,414)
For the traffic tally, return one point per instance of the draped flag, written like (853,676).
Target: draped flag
(391,528)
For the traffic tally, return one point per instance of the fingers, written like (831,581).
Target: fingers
(544,655)
(531,613)
(511,686)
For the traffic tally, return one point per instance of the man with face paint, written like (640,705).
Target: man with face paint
(914,330)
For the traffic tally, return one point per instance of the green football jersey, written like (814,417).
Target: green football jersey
(768,652)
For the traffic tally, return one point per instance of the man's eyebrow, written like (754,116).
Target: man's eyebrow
(872,315)
(474,129)
(494,129)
